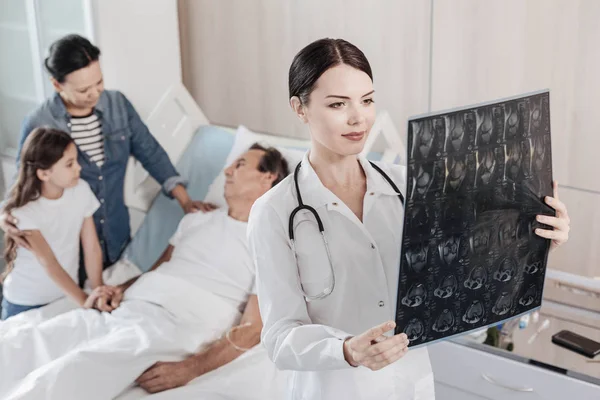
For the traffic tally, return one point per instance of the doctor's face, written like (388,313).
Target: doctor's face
(244,181)
(341,110)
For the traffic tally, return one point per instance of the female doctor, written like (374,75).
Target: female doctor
(327,291)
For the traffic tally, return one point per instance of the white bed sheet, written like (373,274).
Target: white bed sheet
(251,376)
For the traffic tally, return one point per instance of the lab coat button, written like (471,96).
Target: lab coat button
(372,193)
(334,203)
(381,304)
(372,246)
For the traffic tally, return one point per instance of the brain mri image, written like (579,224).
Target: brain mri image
(456,174)
(503,304)
(514,161)
(427,135)
(416,257)
(528,296)
(414,329)
(459,130)
(446,288)
(486,129)
(515,119)
(474,313)
(534,264)
(444,322)
(476,179)
(486,168)
(477,278)
(415,296)
(506,271)
(449,249)
(423,181)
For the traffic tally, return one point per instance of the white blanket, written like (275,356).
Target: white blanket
(91,355)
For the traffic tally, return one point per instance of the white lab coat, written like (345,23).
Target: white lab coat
(307,337)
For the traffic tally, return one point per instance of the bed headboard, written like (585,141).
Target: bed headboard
(177,117)
(394,150)
(173,122)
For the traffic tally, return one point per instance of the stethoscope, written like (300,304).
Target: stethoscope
(301,206)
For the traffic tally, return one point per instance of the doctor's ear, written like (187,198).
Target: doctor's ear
(298,108)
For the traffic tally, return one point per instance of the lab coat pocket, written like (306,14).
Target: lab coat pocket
(314,266)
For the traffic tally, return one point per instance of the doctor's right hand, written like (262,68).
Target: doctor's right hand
(373,350)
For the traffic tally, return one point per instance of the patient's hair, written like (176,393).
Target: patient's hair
(43,148)
(316,58)
(69,54)
(272,161)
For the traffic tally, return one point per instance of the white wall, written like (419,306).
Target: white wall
(236,54)
(139,40)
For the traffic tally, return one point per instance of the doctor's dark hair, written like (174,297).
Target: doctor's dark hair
(272,161)
(316,58)
(43,148)
(69,54)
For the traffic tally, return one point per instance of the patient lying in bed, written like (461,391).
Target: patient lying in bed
(194,312)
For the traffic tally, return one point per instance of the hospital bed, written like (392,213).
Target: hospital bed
(200,151)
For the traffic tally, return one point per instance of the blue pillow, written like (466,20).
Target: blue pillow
(200,164)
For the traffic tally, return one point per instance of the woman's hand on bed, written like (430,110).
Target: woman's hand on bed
(195,206)
(97,298)
(166,375)
(109,300)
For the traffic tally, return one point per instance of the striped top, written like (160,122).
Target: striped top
(87,134)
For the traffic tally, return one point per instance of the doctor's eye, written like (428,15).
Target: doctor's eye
(368,101)
(336,105)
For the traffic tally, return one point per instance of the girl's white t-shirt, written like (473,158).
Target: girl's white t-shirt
(60,223)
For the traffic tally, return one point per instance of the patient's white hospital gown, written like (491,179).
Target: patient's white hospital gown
(167,314)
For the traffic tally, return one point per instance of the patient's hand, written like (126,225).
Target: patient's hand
(194,206)
(166,375)
(96,299)
(109,300)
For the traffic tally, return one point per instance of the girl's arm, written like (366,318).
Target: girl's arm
(92,253)
(46,257)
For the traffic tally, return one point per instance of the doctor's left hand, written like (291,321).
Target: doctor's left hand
(374,350)
(165,375)
(560,223)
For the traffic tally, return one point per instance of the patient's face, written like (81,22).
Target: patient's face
(82,88)
(341,111)
(243,179)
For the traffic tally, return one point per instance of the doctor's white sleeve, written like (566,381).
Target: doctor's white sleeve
(292,341)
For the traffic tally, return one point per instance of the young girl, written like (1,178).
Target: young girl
(55,209)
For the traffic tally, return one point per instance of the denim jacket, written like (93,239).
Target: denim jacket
(124,134)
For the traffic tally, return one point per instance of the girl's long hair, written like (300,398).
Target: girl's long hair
(43,148)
